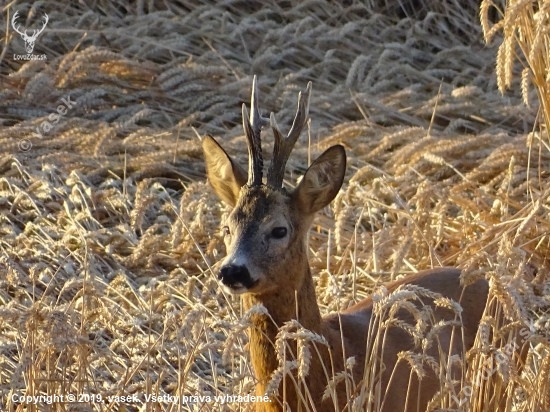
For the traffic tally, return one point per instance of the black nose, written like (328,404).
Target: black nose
(235,276)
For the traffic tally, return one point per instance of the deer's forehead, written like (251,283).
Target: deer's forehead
(259,205)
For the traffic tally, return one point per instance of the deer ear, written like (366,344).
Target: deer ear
(225,175)
(322,181)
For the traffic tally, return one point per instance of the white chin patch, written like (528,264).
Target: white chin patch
(237,290)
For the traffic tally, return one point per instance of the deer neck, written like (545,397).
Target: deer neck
(282,308)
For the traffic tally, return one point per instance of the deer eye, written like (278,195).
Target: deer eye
(226,231)
(279,232)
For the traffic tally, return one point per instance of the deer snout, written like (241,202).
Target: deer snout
(236,277)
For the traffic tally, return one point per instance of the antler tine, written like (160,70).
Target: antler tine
(283,146)
(46,20)
(13,23)
(252,128)
(37,32)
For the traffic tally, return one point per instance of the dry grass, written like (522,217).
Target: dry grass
(108,229)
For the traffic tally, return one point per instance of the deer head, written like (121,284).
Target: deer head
(29,40)
(265,233)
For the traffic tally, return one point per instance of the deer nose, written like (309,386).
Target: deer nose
(235,276)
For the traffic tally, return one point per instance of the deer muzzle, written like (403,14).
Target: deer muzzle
(236,277)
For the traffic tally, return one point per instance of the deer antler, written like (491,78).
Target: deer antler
(252,128)
(36,33)
(13,23)
(284,145)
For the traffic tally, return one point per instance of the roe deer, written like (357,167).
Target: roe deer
(267,263)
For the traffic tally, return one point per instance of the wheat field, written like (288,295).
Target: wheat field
(109,230)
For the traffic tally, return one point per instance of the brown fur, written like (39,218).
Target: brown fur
(281,269)
(354,323)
